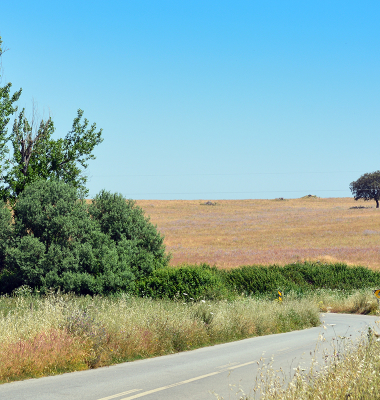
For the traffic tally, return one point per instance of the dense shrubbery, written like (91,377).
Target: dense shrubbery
(206,282)
(57,241)
(299,277)
(187,282)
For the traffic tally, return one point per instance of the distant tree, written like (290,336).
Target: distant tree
(367,187)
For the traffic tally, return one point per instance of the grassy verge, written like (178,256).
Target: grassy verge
(59,333)
(351,372)
(360,301)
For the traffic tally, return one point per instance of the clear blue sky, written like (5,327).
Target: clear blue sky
(207,99)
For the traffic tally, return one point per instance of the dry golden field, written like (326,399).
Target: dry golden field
(245,232)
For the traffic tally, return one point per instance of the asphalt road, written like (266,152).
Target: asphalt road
(195,375)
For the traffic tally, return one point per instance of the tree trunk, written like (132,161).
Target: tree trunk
(377,203)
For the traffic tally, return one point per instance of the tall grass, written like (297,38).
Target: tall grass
(351,371)
(360,301)
(58,333)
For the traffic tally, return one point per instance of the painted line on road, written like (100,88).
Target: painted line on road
(120,394)
(241,365)
(227,365)
(136,396)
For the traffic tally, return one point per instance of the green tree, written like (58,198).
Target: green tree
(37,156)
(367,187)
(137,238)
(56,241)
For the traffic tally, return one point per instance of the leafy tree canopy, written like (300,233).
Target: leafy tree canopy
(37,156)
(367,187)
(58,241)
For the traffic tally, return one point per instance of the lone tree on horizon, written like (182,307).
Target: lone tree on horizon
(367,187)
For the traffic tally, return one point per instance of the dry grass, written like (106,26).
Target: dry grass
(59,333)
(245,232)
(47,353)
(340,301)
(349,371)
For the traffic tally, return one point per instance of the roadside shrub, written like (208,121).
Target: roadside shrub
(186,282)
(254,280)
(203,281)
(60,242)
(137,238)
(299,277)
(330,276)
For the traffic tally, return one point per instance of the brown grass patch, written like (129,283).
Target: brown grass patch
(47,353)
(232,233)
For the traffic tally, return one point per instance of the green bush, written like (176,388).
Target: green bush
(202,281)
(187,283)
(137,238)
(57,241)
(330,276)
(255,280)
(299,277)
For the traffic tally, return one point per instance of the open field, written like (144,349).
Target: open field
(245,232)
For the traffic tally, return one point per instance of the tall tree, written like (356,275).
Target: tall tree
(367,187)
(37,156)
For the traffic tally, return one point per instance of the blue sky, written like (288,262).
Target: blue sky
(207,99)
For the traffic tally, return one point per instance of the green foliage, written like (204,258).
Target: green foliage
(300,277)
(367,187)
(252,280)
(52,212)
(57,243)
(187,282)
(6,231)
(205,282)
(37,156)
(137,238)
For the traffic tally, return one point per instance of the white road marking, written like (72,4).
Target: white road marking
(226,365)
(136,396)
(120,394)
